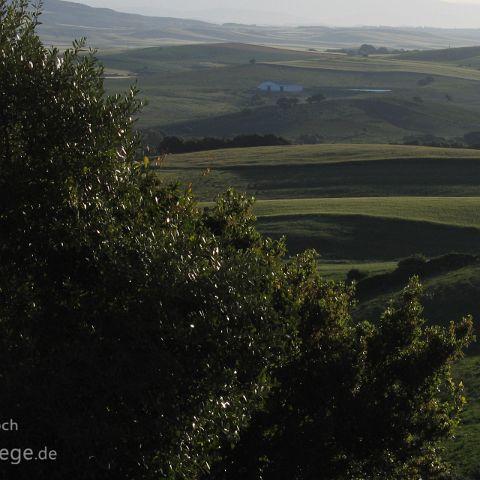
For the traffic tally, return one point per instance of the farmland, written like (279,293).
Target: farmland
(458,211)
(63,21)
(310,171)
(351,202)
(210,90)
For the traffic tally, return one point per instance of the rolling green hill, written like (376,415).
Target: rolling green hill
(189,57)
(458,211)
(299,155)
(466,57)
(63,21)
(355,120)
(315,171)
(352,203)
(211,90)
(445,55)
(382,64)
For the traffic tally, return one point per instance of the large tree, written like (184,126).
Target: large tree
(136,331)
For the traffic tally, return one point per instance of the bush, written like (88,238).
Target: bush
(317,98)
(412,264)
(472,139)
(359,400)
(356,275)
(423,82)
(287,102)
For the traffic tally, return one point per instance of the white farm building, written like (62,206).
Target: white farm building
(279,87)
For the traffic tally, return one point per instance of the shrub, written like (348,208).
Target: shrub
(356,275)
(317,98)
(412,264)
(359,400)
(287,102)
(423,82)
(171,144)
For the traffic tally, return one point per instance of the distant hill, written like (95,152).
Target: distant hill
(64,21)
(339,120)
(181,58)
(443,55)
(105,28)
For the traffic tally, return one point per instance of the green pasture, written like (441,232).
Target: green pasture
(315,171)
(315,154)
(193,57)
(338,270)
(356,238)
(378,63)
(458,211)
(463,56)
(353,203)
(210,89)
(385,118)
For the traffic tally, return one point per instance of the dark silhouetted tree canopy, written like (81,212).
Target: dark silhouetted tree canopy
(136,331)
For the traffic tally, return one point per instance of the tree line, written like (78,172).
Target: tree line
(173,144)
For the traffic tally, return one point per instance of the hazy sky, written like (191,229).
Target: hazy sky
(439,13)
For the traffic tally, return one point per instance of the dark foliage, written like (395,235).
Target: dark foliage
(317,98)
(417,265)
(356,275)
(286,103)
(472,139)
(180,145)
(423,82)
(429,140)
(358,401)
(133,338)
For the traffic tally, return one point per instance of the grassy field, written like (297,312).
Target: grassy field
(353,203)
(458,211)
(338,270)
(385,63)
(316,171)
(384,119)
(317,154)
(191,57)
(374,228)
(210,90)
(357,238)
(466,57)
